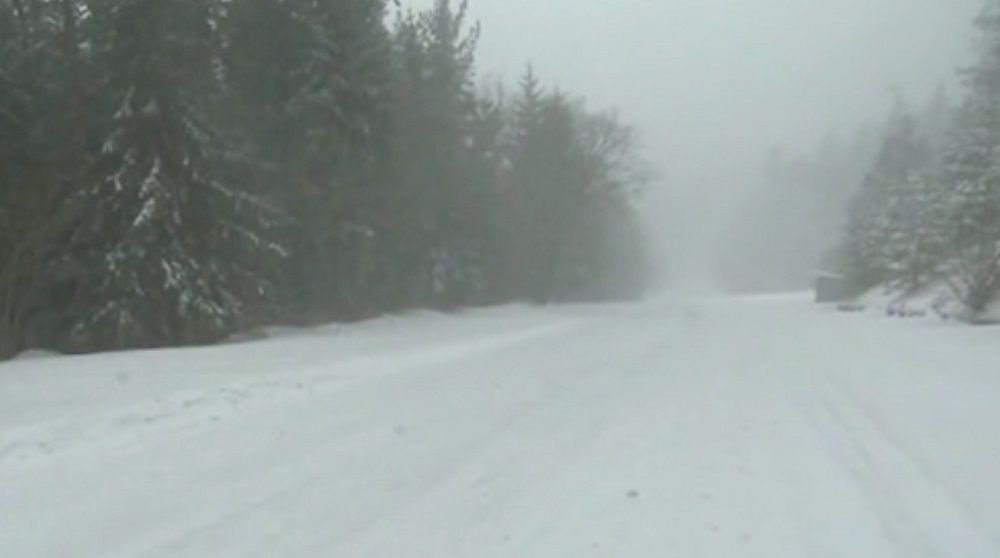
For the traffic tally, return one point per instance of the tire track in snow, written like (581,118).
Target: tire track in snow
(871,419)
(918,516)
(551,428)
(356,431)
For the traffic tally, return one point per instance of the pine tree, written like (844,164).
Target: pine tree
(17,109)
(46,95)
(166,250)
(885,241)
(266,43)
(344,108)
(547,175)
(442,238)
(970,227)
(522,262)
(529,104)
(313,80)
(486,165)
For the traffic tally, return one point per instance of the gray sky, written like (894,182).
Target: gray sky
(714,84)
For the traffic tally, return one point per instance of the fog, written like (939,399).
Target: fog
(396,158)
(714,85)
(499,278)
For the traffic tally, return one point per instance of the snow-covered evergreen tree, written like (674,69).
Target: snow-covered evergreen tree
(884,240)
(167,249)
(970,226)
(313,79)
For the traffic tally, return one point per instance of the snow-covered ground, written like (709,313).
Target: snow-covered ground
(752,427)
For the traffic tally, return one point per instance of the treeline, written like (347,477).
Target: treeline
(173,171)
(929,212)
(798,209)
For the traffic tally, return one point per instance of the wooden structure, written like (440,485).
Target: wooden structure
(831,287)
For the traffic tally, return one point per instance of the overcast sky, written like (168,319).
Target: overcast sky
(714,84)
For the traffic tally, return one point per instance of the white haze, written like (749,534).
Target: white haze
(713,85)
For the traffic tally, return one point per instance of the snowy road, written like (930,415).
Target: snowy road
(758,427)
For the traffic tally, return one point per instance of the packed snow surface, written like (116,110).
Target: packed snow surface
(751,427)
